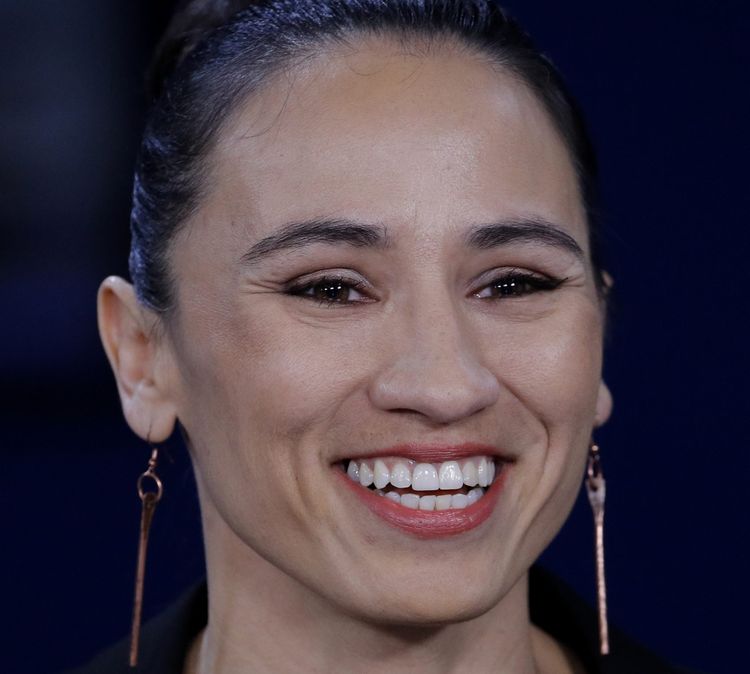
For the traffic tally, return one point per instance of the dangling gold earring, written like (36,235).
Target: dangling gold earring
(596,493)
(149,499)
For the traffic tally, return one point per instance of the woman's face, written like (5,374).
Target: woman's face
(390,261)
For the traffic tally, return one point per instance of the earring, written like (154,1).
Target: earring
(149,499)
(596,492)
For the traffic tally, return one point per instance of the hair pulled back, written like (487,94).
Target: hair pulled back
(217,52)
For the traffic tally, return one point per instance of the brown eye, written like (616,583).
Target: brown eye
(510,287)
(331,291)
(517,284)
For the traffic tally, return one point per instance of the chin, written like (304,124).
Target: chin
(430,609)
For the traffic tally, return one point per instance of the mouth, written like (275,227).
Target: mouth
(449,485)
(428,498)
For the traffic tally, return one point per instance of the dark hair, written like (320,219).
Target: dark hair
(215,53)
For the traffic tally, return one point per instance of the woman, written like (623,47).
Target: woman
(366,286)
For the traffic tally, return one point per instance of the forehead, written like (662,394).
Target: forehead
(381,135)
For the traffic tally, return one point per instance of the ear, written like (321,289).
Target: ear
(138,353)
(604,396)
(603,405)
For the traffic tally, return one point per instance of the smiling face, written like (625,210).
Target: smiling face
(390,262)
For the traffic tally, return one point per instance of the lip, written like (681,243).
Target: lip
(430,524)
(433,453)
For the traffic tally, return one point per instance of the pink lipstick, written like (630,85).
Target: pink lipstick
(425,506)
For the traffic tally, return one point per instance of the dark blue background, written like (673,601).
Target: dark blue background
(664,85)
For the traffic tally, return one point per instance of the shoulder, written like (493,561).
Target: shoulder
(164,640)
(564,615)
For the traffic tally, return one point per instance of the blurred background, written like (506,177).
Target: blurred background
(665,88)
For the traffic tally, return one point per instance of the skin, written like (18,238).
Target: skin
(274,390)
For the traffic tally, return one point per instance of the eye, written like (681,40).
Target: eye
(517,284)
(331,290)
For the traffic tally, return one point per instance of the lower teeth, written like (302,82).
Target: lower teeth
(433,502)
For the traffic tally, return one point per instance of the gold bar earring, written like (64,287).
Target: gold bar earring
(596,492)
(149,499)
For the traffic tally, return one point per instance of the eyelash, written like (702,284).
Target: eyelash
(509,282)
(301,289)
(519,279)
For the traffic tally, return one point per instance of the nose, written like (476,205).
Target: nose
(434,369)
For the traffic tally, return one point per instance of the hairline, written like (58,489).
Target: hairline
(322,46)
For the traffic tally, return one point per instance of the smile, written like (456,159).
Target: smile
(428,492)
(450,485)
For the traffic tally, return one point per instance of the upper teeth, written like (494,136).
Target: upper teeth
(402,473)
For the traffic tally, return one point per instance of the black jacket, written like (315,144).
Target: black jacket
(554,607)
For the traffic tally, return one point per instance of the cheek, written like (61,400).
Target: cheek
(563,362)
(298,381)
(262,384)
(553,366)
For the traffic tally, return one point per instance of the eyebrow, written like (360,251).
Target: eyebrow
(330,231)
(523,230)
(363,235)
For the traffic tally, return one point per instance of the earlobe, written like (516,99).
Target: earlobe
(603,405)
(136,354)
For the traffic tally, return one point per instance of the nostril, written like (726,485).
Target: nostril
(444,390)
(440,404)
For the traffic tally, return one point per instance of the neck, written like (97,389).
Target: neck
(262,620)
